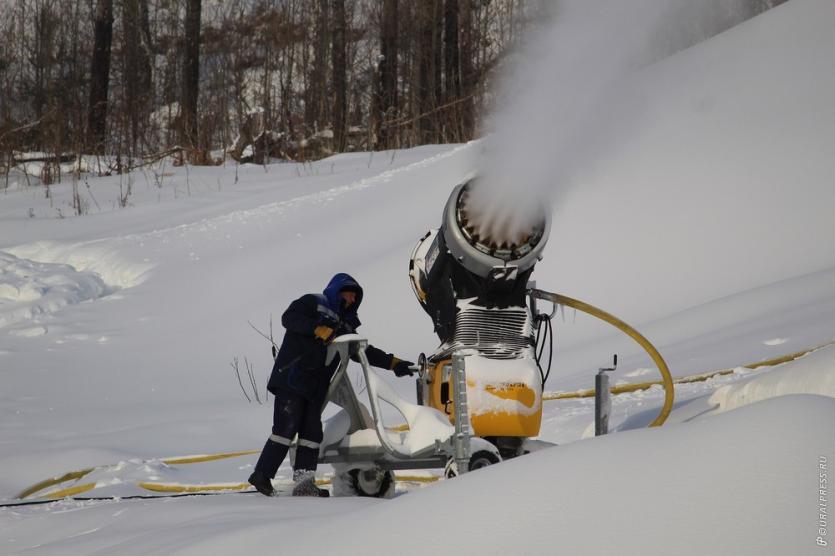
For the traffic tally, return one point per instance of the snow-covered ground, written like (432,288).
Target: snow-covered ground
(709,230)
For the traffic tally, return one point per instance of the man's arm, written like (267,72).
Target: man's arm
(380,359)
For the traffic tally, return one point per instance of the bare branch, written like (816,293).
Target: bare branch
(250,370)
(270,337)
(235,366)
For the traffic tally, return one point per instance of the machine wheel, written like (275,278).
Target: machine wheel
(479,460)
(371,482)
(375,483)
(483,458)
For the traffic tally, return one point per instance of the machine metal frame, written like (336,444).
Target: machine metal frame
(388,455)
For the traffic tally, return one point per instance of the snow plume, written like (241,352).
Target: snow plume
(556,114)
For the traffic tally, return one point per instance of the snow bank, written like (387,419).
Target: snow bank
(811,374)
(103,258)
(29,289)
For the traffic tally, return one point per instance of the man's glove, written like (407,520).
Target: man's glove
(323,332)
(401,368)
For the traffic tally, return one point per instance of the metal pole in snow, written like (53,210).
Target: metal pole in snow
(461,439)
(603,399)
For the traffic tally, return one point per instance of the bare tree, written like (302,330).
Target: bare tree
(137,66)
(425,71)
(388,70)
(191,74)
(316,105)
(339,80)
(452,67)
(100,76)
(466,53)
(437,65)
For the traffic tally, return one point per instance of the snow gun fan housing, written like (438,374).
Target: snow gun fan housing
(472,280)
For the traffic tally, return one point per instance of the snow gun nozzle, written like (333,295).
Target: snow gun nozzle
(505,236)
(483,234)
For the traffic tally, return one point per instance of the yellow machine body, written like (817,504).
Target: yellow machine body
(497,407)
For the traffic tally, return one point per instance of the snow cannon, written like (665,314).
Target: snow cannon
(473,282)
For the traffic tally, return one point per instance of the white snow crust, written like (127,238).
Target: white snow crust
(813,374)
(29,289)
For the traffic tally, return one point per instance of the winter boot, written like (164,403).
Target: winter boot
(306,484)
(261,483)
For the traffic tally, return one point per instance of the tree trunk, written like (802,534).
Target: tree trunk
(466,53)
(100,76)
(42,59)
(339,78)
(437,69)
(316,98)
(388,71)
(137,66)
(425,85)
(191,74)
(452,69)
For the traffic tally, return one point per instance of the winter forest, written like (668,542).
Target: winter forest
(135,80)
(293,79)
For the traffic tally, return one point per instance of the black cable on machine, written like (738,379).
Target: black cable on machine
(537,338)
(539,346)
(550,349)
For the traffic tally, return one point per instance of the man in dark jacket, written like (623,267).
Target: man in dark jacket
(300,380)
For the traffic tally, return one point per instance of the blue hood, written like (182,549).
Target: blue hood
(338,283)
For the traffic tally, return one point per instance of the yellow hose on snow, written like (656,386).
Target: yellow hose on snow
(72,475)
(188,489)
(75,475)
(667,379)
(69,492)
(208,457)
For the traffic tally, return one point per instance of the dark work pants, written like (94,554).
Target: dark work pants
(292,415)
